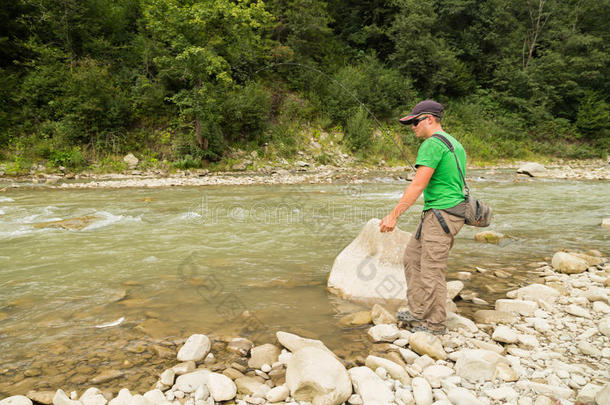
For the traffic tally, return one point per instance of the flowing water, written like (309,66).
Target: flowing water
(151,266)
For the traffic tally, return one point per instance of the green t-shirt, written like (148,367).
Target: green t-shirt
(445,188)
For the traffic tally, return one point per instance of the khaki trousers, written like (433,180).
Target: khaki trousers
(425,263)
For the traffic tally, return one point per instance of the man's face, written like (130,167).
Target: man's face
(420,126)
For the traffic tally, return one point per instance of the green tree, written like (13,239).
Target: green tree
(200,42)
(423,54)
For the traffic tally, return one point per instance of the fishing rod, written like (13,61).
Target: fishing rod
(379,124)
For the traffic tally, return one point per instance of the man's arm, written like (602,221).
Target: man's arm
(411,194)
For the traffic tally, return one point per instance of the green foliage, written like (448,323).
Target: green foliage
(84,80)
(593,119)
(382,90)
(359,130)
(72,158)
(187,162)
(246,112)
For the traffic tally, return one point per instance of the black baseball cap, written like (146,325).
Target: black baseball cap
(423,107)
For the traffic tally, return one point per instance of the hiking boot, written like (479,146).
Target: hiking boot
(422,328)
(405,316)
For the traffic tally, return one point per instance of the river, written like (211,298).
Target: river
(162,263)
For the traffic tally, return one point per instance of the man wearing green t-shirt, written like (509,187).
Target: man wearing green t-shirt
(426,254)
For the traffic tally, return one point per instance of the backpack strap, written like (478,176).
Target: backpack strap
(452,149)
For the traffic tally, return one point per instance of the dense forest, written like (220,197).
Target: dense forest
(187,81)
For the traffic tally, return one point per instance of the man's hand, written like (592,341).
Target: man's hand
(387,224)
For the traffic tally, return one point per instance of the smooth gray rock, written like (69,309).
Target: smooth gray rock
(395,370)
(504,334)
(384,333)
(475,364)
(195,348)
(568,264)
(263,354)
(294,342)
(380,315)
(522,307)
(316,376)
(123,398)
(253,386)
(43,397)
(93,396)
(221,387)
(61,398)
(425,343)
(422,392)
(191,381)
(131,161)
(369,385)
(534,292)
(277,394)
(462,396)
(16,400)
(551,390)
(532,169)
(436,373)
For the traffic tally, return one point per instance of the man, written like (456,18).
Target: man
(426,254)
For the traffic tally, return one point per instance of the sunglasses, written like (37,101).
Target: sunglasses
(416,122)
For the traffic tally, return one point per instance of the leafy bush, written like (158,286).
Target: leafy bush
(359,130)
(71,157)
(382,90)
(187,162)
(246,113)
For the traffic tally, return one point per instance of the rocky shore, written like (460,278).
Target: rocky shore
(305,171)
(545,343)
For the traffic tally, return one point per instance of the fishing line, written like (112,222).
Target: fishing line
(379,124)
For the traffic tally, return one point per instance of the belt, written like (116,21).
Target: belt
(440,218)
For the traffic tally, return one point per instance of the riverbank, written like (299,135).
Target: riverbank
(546,343)
(292,173)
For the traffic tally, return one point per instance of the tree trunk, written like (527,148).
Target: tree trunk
(203,143)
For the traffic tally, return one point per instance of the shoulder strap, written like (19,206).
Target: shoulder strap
(452,149)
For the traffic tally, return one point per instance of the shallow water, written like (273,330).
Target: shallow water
(176,261)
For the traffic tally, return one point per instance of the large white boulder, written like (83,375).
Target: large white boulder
(370,386)
(314,375)
(371,267)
